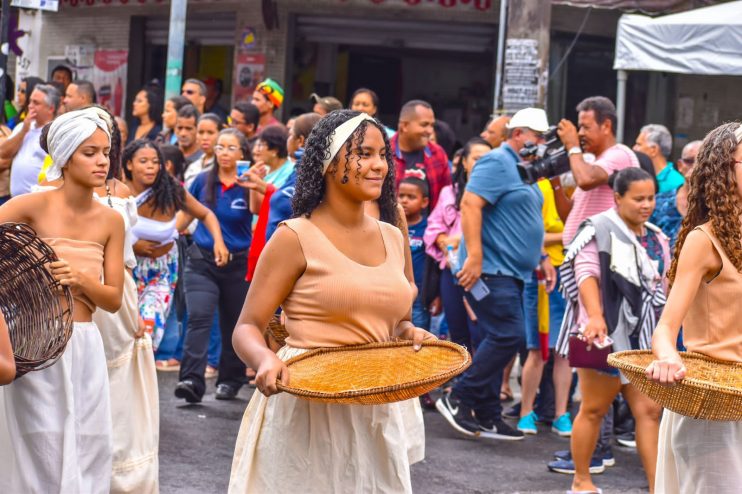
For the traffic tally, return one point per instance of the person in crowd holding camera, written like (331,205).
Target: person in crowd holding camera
(503,236)
(609,304)
(597,135)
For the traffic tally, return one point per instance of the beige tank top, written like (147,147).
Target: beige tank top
(713,325)
(338,302)
(83,256)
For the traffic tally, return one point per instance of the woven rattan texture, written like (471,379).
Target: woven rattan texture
(37,309)
(375,373)
(711,390)
(276,330)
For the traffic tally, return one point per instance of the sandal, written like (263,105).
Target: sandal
(169,365)
(211,372)
(506,396)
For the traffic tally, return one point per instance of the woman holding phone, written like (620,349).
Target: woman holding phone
(209,285)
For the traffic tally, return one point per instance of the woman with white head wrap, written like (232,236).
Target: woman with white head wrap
(55,424)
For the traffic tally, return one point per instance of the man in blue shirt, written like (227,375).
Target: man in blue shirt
(502,244)
(655,141)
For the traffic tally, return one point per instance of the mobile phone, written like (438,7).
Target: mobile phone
(607,341)
(242,168)
(479,290)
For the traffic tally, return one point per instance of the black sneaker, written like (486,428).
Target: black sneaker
(498,429)
(458,415)
(627,440)
(225,392)
(512,412)
(187,391)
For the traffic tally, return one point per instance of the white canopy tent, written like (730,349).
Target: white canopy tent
(706,41)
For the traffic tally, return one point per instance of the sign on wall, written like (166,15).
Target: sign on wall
(521,74)
(249,72)
(109,78)
(52,5)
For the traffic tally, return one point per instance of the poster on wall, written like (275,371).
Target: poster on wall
(521,75)
(249,71)
(109,78)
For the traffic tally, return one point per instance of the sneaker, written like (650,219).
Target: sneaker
(627,439)
(458,415)
(187,391)
(605,456)
(527,424)
(563,454)
(498,429)
(563,425)
(567,467)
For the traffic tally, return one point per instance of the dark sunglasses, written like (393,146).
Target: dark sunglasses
(688,161)
(189,91)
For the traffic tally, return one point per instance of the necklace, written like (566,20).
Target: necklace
(108,194)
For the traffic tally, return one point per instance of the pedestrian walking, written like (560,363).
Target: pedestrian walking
(286,443)
(69,401)
(169,118)
(147,112)
(502,243)
(701,455)
(267,97)
(605,300)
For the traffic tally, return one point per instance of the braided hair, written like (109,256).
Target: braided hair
(167,194)
(310,179)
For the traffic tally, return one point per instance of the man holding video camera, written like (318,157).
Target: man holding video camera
(596,135)
(503,235)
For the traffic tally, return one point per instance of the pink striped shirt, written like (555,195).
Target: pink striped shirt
(587,203)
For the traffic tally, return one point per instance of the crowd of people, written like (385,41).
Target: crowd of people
(191,228)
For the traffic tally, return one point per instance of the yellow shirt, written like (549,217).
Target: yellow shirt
(552,222)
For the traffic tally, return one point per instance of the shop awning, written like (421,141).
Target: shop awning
(704,41)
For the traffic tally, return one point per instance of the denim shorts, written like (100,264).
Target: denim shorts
(557,306)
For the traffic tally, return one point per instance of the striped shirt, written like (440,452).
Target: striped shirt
(587,203)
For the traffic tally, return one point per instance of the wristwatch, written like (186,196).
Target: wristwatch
(574,150)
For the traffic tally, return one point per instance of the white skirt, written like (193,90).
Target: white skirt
(287,445)
(55,424)
(134,397)
(698,456)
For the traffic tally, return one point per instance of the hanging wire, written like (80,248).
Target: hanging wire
(572,45)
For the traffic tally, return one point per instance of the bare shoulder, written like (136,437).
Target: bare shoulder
(120,189)
(284,253)
(698,250)
(25,208)
(109,217)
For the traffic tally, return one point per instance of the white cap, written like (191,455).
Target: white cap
(532,118)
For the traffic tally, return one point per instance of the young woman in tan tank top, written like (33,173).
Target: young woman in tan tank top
(339,276)
(69,400)
(697,455)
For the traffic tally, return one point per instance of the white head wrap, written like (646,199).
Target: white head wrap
(738,134)
(340,135)
(68,131)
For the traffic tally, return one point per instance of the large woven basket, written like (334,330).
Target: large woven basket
(711,390)
(36,308)
(375,373)
(276,330)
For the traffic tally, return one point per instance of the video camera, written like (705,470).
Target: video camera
(551,158)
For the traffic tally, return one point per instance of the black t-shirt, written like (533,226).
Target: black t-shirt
(414,159)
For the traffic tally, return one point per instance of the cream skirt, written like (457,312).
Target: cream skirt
(289,445)
(55,424)
(698,456)
(134,397)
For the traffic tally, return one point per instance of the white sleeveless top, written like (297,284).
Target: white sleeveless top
(127,208)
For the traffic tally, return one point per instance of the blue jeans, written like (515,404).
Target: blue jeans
(461,329)
(557,307)
(420,314)
(501,322)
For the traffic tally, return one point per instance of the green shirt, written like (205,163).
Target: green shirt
(669,178)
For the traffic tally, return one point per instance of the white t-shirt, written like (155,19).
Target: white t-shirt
(27,164)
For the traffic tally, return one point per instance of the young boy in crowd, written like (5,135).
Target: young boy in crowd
(413,197)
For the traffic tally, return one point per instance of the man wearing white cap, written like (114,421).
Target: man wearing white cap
(503,235)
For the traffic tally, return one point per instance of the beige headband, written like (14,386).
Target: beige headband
(738,134)
(340,135)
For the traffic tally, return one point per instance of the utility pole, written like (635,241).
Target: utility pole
(175,48)
(526,68)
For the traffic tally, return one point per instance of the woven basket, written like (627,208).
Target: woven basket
(276,330)
(711,390)
(374,373)
(37,309)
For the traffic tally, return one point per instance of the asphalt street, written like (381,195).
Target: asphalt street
(197,442)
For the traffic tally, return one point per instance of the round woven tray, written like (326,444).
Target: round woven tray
(276,330)
(711,390)
(374,373)
(36,308)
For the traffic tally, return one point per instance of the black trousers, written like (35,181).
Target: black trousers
(209,288)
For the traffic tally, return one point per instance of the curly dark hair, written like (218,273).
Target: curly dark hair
(167,194)
(713,195)
(310,181)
